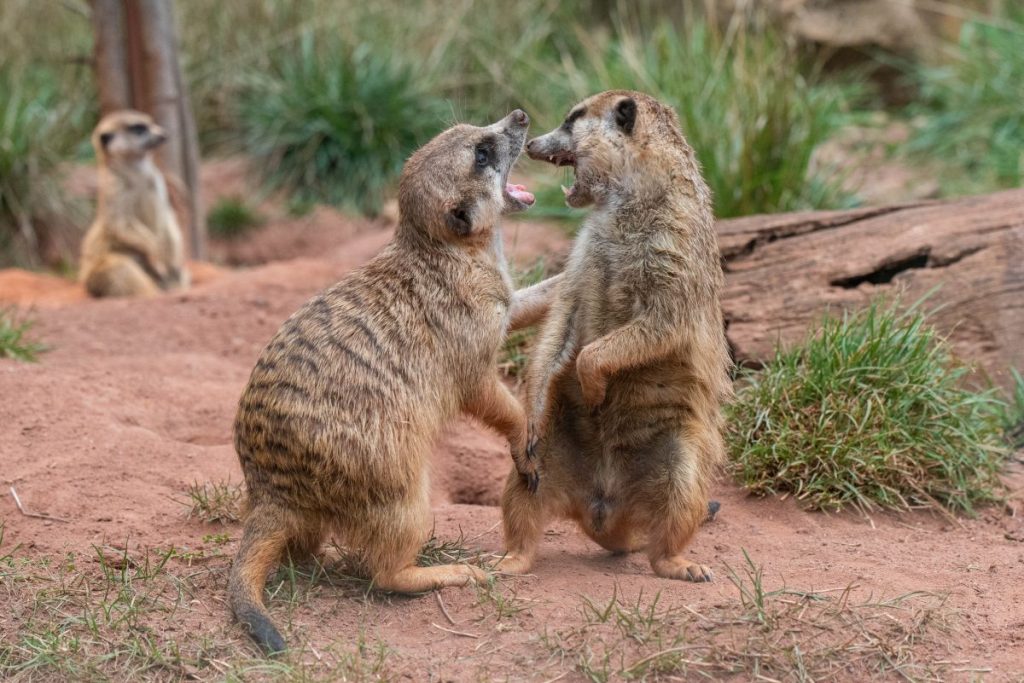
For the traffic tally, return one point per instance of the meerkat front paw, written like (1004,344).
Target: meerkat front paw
(526,466)
(593,383)
(526,462)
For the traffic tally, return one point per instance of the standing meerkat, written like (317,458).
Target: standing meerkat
(626,381)
(335,427)
(134,245)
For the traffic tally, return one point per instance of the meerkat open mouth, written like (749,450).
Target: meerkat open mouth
(517,197)
(561,159)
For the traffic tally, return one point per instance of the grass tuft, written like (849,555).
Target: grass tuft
(1013,415)
(334,123)
(215,502)
(14,341)
(232,217)
(873,411)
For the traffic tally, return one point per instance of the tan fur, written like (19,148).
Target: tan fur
(134,245)
(531,304)
(626,381)
(335,427)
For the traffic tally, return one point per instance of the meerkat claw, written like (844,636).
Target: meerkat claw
(532,481)
(531,448)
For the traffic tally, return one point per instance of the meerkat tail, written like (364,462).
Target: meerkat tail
(259,551)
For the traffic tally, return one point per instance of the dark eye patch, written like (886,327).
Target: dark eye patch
(138,128)
(573,117)
(484,153)
(105,139)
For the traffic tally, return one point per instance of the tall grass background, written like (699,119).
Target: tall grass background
(330,96)
(972,105)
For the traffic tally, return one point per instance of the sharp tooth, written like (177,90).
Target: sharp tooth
(566,191)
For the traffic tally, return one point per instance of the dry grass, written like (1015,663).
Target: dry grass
(116,613)
(215,501)
(156,614)
(781,635)
(436,552)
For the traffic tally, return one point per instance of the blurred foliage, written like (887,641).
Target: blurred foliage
(39,129)
(15,341)
(972,106)
(232,217)
(334,124)
(47,108)
(332,95)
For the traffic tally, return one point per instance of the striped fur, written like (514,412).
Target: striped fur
(625,384)
(336,424)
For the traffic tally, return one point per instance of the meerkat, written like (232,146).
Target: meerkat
(133,247)
(625,384)
(335,426)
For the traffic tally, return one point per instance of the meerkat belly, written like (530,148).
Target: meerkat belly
(620,457)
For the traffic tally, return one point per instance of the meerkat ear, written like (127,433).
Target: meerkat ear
(458,221)
(105,139)
(625,114)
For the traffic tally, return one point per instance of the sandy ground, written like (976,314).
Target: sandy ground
(135,399)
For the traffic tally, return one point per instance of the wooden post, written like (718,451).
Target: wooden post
(137,67)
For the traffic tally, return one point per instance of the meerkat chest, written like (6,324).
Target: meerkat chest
(146,200)
(482,309)
(607,284)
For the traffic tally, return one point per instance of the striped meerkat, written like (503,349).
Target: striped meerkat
(335,427)
(627,378)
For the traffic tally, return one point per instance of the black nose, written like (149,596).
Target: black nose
(530,145)
(520,117)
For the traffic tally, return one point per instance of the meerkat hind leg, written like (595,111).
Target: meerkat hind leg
(119,275)
(684,508)
(392,543)
(304,544)
(523,518)
(415,579)
(684,516)
(668,541)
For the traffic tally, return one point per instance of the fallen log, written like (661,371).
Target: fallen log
(785,271)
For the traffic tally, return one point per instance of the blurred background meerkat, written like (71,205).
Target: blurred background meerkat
(134,247)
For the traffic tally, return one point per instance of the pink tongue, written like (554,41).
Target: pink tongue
(520,193)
